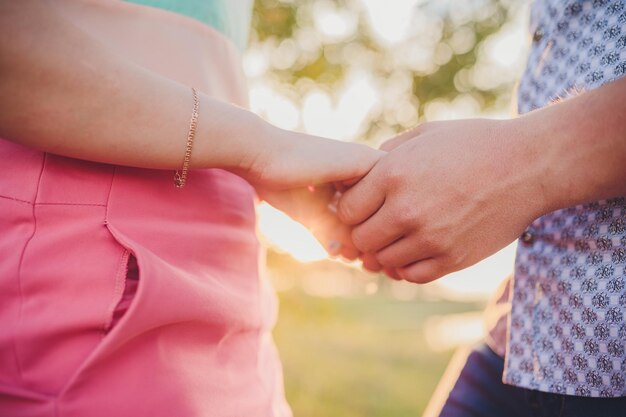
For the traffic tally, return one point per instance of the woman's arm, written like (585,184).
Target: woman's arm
(64,92)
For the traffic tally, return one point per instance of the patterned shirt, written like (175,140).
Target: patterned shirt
(567,328)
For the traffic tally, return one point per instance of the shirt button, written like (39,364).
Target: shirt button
(538,35)
(527,238)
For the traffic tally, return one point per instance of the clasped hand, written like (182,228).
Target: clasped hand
(440,198)
(445,196)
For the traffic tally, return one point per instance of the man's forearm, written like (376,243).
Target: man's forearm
(581,146)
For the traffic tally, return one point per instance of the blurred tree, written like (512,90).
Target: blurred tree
(438,59)
(367,355)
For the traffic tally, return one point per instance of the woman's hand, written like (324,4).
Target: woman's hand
(90,103)
(298,178)
(283,159)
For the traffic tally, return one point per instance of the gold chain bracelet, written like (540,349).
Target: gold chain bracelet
(180,178)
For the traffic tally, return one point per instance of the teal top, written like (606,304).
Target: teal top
(231,17)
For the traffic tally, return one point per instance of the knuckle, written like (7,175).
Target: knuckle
(431,244)
(407,216)
(393,176)
(458,260)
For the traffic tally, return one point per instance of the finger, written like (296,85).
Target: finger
(334,202)
(350,253)
(325,192)
(403,252)
(392,273)
(333,247)
(290,200)
(370,263)
(340,187)
(423,271)
(349,183)
(377,232)
(361,201)
(334,235)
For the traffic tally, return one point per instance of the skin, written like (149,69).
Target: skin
(63,92)
(449,194)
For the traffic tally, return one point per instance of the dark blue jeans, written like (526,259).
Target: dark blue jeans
(479,392)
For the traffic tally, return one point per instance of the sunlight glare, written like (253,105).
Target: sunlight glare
(463,106)
(501,56)
(478,282)
(390,20)
(453,330)
(504,48)
(335,25)
(275,107)
(343,121)
(289,236)
(255,63)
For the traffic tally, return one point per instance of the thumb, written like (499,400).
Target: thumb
(343,163)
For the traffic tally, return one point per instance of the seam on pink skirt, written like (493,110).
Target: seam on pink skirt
(118,289)
(16,199)
(19,270)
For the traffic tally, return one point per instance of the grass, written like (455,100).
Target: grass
(364,356)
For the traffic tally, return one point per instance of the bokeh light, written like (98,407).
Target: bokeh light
(355,343)
(362,70)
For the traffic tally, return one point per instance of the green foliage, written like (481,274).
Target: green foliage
(368,356)
(276,21)
(271,18)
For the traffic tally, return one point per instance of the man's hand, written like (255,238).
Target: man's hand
(447,195)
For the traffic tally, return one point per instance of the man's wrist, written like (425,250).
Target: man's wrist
(532,164)
(558,159)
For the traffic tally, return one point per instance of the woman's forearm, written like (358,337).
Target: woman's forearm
(579,147)
(62,91)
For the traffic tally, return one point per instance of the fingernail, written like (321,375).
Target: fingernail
(334,246)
